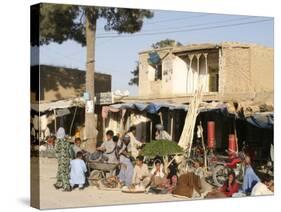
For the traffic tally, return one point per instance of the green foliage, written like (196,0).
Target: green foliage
(59,22)
(161,148)
(165,43)
(135,73)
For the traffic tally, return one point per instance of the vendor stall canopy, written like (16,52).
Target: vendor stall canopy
(262,120)
(49,106)
(259,119)
(154,108)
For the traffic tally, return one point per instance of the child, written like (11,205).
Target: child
(78,170)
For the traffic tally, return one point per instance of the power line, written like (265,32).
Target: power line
(185,30)
(175,19)
(190,25)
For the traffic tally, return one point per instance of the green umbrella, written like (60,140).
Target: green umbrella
(161,148)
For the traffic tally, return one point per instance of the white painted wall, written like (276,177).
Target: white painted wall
(180,72)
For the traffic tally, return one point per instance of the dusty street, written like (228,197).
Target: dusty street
(90,196)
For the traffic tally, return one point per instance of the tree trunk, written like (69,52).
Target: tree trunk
(90,122)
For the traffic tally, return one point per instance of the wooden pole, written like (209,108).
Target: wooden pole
(90,122)
(55,114)
(203,145)
(103,129)
(172,124)
(151,130)
(235,134)
(72,121)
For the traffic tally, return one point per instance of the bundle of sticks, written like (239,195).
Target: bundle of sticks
(187,134)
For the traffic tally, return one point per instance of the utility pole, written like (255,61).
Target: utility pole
(90,122)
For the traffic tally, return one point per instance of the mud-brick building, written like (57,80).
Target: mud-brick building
(57,83)
(56,96)
(237,82)
(226,70)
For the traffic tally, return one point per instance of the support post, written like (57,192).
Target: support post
(55,114)
(197,73)
(190,82)
(206,75)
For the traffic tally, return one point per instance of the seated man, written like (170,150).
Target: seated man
(161,134)
(265,187)
(108,148)
(77,171)
(141,173)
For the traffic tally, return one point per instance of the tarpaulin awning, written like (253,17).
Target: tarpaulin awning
(148,107)
(48,106)
(155,107)
(262,120)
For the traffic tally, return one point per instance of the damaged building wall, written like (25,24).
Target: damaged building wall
(246,69)
(235,71)
(61,83)
(262,66)
(148,84)
(235,75)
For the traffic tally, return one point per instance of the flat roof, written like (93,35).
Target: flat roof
(201,46)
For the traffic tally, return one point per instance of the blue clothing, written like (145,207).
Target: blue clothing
(77,173)
(126,172)
(250,180)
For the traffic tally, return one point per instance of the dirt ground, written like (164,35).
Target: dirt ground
(90,196)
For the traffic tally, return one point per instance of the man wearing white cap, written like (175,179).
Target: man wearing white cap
(161,134)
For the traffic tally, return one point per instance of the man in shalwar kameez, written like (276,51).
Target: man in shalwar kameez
(126,171)
(134,143)
(78,170)
(161,134)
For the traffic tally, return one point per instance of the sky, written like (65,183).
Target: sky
(117,54)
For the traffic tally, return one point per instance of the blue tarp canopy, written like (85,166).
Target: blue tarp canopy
(155,107)
(149,107)
(262,120)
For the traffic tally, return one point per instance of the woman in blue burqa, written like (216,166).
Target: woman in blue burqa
(250,177)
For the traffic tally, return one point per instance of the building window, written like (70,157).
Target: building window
(213,80)
(158,72)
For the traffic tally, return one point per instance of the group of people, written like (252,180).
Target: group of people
(71,166)
(115,149)
(252,184)
(124,151)
(133,171)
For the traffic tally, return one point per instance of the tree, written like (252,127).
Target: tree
(161,44)
(59,23)
(135,79)
(165,43)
